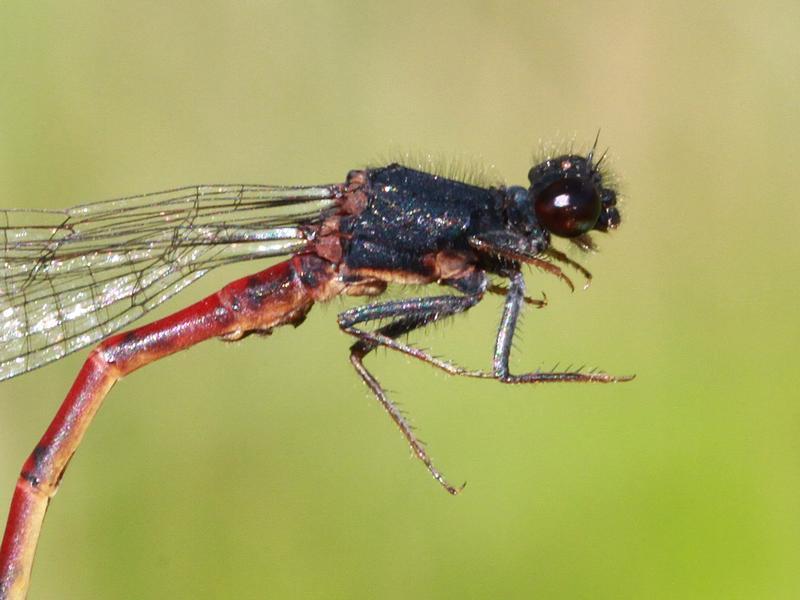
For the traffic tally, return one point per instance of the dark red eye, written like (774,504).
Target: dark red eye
(567,207)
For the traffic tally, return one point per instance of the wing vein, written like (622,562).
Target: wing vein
(71,277)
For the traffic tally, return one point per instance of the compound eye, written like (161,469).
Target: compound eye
(567,207)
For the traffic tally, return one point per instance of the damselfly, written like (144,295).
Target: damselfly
(72,278)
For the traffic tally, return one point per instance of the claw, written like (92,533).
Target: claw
(563,258)
(502,290)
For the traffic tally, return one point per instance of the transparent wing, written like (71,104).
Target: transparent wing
(72,277)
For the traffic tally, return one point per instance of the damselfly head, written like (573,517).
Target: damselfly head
(569,198)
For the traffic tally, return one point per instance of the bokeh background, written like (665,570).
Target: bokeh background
(264,468)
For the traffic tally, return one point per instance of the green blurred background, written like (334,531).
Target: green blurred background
(264,468)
